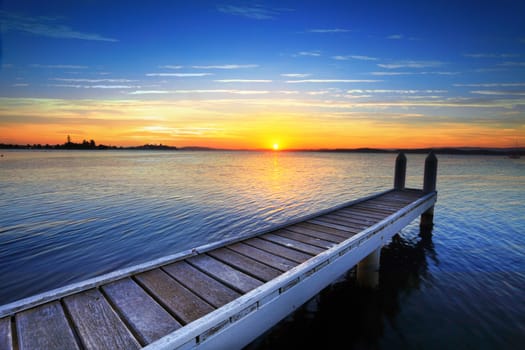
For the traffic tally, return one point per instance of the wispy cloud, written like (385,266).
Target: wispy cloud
(200,91)
(83,80)
(20,85)
(410,64)
(332,81)
(308,53)
(512,64)
(395,37)
(179,75)
(491,85)
(395,91)
(333,30)
(354,57)
(413,73)
(45,26)
(256,11)
(243,81)
(498,92)
(295,75)
(169,66)
(228,66)
(149,92)
(58,66)
(102,86)
(490,55)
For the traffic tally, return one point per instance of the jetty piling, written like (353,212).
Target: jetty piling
(429,186)
(368,270)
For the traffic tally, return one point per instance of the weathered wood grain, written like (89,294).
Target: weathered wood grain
(339,221)
(363,213)
(376,208)
(224,273)
(45,327)
(291,243)
(315,226)
(245,264)
(97,324)
(358,215)
(208,288)
(145,316)
(186,305)
(278,249)
(6,335)
(320,221)
(270,259)
(316,234)
(321,243)
(354,220)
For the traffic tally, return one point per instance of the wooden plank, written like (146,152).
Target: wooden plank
(45,327)
(317,234)
(278,249)
(144,315)
(377,207)
(6,337)
(358,214)
(273,260)
(374,210)
(363,212)
(324,228)
(182,303)
(224,273)
(401,202)
(291,243)
(245,264)
(97,324)
(209,289)
(325,223)
(345,223)
(321,243)
(354,219)
(349,220)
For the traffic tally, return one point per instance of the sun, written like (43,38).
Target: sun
(275,147)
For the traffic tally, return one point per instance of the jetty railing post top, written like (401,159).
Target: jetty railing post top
(430,176)
(400,171)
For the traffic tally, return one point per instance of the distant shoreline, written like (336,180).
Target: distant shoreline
(441,150)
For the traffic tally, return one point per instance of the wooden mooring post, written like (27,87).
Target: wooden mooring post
(429,185)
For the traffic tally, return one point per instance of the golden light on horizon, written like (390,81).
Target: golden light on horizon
(275,146)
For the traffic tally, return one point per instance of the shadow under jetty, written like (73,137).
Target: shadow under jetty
(346,315)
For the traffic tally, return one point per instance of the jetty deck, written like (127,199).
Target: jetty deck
(217,296)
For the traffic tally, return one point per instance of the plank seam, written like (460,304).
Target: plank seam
(162,305)
(71,324)
(117,311)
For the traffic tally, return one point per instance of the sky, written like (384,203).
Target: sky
(248,75)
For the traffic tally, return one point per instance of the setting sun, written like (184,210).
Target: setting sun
(275,146)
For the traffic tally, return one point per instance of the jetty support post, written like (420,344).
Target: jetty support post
(429,185)
(400,171)
(368,270)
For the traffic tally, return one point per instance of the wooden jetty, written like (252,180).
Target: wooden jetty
(221,295)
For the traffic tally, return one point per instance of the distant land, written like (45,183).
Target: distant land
(91,145)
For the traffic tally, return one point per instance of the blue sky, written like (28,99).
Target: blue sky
(451,72)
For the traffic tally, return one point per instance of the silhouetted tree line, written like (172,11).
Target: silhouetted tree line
(84,145)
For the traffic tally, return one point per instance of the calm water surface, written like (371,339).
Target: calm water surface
(69,215)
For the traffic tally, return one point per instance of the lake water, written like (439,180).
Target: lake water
(70,215)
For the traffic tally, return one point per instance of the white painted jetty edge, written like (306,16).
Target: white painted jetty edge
(61,292)
(237,323)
